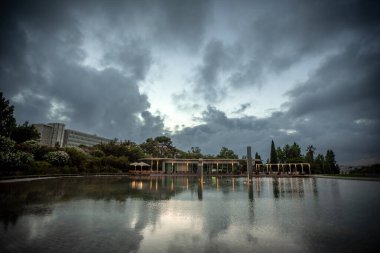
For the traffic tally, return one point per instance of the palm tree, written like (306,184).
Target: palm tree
(310,152)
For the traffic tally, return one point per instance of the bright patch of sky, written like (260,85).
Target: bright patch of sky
(171,74)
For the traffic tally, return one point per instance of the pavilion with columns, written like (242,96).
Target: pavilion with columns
(217,166)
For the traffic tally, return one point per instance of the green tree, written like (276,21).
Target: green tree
(319,163)
(24,132)
(227,154)
(286,153)
(295,153)
(257,156)
(11,159)
(78,158)
(196,150)
(310,153)
(114,164)
(195,153)
(330,163)
(150,147)
(161,146)
(133,151)
(165,146)
(280,155)
(7,121)
(273,153)
(117,149)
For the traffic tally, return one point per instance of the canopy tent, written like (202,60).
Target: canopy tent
(135,164)
(141,164)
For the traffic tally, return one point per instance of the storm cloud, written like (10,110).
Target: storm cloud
(226,73)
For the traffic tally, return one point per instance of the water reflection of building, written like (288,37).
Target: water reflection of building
(161,183)
(289,186)
(280,187)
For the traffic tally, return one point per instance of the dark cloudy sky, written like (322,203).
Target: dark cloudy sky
(207,73)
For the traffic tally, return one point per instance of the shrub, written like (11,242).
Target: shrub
(120,163)
(25,159)
(94,165)
(42,167)
(6,144)
(42,151)
(78,157)
(31,146)
(58,158)
(34,147)
(11,159)
(68,170)
(97,153)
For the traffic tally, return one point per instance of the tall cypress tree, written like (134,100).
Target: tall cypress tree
(257,156)
(273,153)
(330,162)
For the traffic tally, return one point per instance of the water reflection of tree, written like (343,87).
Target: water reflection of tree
(37,197)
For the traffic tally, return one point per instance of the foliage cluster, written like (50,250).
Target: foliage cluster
(58,158)
(292,154)
(11,158)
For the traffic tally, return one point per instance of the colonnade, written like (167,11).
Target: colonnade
(221,166)
(207,165)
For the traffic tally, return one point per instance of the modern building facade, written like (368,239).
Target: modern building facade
(51,134)
(74,138)
(55,134)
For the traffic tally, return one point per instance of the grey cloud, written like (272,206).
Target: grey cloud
(43,56)
(48,82)
(182,22)
(216,59)
(218,130)
(242,108)
(152,125)
(336,107)
(350,141)
(300,30)
(166,23)
(341,102)
(347,79)
(247,74)
(130,56)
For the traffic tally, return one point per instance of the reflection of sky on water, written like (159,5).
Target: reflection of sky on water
(169,214)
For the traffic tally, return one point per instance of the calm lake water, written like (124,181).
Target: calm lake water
(176,214)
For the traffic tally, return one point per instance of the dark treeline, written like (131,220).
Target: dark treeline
(292,154)
(21,153)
